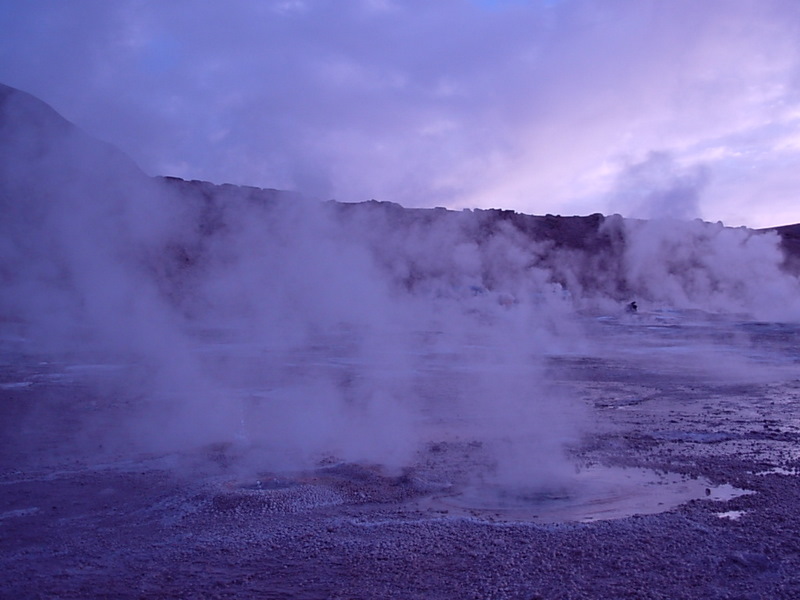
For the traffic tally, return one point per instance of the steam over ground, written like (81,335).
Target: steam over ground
(298,331)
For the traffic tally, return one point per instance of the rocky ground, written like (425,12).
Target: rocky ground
(77,522)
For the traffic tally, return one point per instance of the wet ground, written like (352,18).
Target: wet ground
(685,485)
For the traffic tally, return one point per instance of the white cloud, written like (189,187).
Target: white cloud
(536,106)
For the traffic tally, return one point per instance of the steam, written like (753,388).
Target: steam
(699,265)
(657,188)
(296,331)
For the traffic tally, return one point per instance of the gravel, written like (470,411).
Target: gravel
(85,523)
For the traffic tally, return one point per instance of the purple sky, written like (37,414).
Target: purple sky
(648,108)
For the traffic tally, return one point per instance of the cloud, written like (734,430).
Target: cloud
(536,106)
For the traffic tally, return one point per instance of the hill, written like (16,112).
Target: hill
(85,231)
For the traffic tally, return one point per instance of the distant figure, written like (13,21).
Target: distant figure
(631,308)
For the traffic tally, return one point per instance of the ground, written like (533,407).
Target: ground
(80,522)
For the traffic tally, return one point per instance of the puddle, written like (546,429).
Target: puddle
(15,385)
(697,437)
(731,515)
(595,493)
(93,368)
(20,512)
(779,471)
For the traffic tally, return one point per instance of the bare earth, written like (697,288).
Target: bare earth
(78,521)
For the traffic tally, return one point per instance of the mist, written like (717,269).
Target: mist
(292,332)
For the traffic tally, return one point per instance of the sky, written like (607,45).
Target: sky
(646,108)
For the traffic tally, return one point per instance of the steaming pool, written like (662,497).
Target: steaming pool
(675,470)
(596,493)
